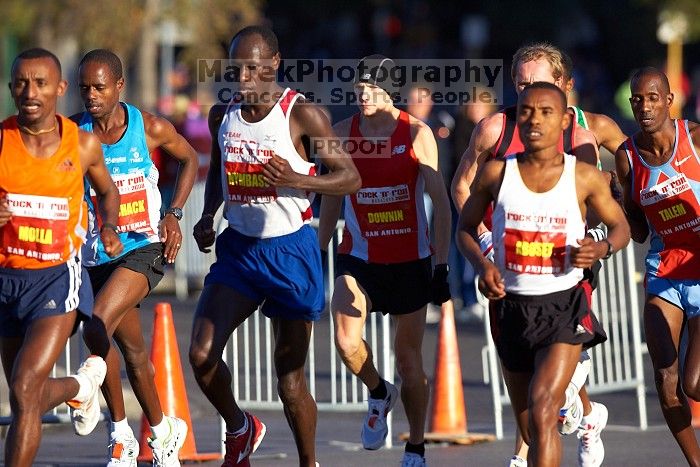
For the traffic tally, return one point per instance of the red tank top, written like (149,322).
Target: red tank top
(509,143)
(669,195)
(385,221)
(46,199)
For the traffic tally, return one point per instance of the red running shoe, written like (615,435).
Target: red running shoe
(240,447)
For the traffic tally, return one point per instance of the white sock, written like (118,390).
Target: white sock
(122,426)
(571,393)
(161,430)
(84,387)
(581,373)
(591,418)
(241,430)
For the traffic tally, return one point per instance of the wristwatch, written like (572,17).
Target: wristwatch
(109,226)
(610,249)
(177,212)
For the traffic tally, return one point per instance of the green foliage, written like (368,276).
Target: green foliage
(119,26)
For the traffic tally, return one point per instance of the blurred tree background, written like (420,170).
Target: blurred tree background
(160,40)
(139,31)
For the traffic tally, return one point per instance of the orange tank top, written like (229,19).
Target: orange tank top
(45,196)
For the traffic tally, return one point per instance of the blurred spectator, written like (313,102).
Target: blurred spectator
(190,121)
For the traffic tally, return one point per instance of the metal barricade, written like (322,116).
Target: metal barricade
(191,263)
(617,363)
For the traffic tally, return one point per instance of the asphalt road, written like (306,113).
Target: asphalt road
(338,441)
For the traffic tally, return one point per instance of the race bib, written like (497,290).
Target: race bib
(133,204)
(38,228)
(670,207)
(535,252)
(246,183)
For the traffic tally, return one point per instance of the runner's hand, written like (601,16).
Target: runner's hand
(204,233)
(5,213)
(171,236)
(278,172)
(491,283)
(439,285)
(111,241)
(588,253)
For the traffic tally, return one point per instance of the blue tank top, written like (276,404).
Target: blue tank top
(136,177)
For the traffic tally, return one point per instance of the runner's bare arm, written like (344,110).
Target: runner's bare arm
(585,146)
(635,216)
(160,133)
(608,133)
(92,161)
(426,151)
(312,123)
(331,205)
(594,193)
(481,144)
(204,233)
(484,191)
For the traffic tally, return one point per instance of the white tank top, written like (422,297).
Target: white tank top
(252,207)
(532,232)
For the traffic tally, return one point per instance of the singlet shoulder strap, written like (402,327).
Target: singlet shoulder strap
(569,137)
(509,128)
(355,126)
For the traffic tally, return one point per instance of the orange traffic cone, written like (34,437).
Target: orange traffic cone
(448,422)
(170,385)
(695,411)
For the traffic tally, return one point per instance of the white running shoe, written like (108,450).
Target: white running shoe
(411,459)
(85,414)
(570,417)
(165,451)
(517,461)
(591,451)
(374,430)
(123,450)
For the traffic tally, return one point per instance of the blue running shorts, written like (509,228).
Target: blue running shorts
(684,293)
(29,294)
(283,273)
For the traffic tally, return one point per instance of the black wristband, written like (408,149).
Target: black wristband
(610,249)
(107,225)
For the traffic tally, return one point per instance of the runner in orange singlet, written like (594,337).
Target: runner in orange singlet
(43,159)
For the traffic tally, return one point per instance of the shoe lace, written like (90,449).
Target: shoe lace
(412,460)
(233,451)
(377,406)
(587,436)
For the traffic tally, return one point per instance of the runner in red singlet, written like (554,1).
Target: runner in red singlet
(659,167)
(384,261)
